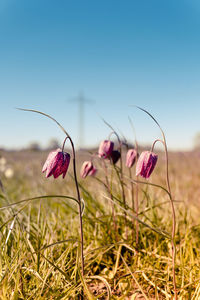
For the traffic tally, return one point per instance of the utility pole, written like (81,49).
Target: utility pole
(81,100)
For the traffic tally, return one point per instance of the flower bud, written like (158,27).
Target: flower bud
(146,164)
(57,163)
(115,156)
(131,157)
(105,149)
(87,169)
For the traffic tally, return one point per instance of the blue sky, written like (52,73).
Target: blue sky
(118,53)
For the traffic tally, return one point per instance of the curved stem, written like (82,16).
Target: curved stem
(63,146)
(121,180)
(173,242)
(75,176)
(173,219)
(109,189)
(121,170)
(46,115)
(136,192)
(132,197)
(152,147)
(120,150)
(79,202)
(113,132)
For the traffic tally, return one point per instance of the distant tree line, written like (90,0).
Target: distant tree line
(52,144)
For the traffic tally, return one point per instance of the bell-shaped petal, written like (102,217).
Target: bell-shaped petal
(115,156)
(50,159)
(131,157)
(92,172)
(87,169)
(57,163)
(146,164)
(105,149)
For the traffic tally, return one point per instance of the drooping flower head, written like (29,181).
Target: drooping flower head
(146,164)
(57,163)
(115,156)
(105,149)
(131,157)
(87,169)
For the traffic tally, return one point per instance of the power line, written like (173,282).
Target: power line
(81,100)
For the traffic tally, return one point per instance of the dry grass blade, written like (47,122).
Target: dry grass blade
(86,289)
(58,243)
(105,282)
(140,288)
(56,267)
(117,260)
(9,232)
(196,295)
(34,272)
(159,231)
(38,198)
(153,284)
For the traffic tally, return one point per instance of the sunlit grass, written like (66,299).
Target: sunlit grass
(40,258)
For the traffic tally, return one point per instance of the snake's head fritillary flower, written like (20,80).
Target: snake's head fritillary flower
(105,149)
(146,164)
(115,156)
(131,157)
(57,163)
(87,169)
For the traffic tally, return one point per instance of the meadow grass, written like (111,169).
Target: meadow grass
(41,257)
